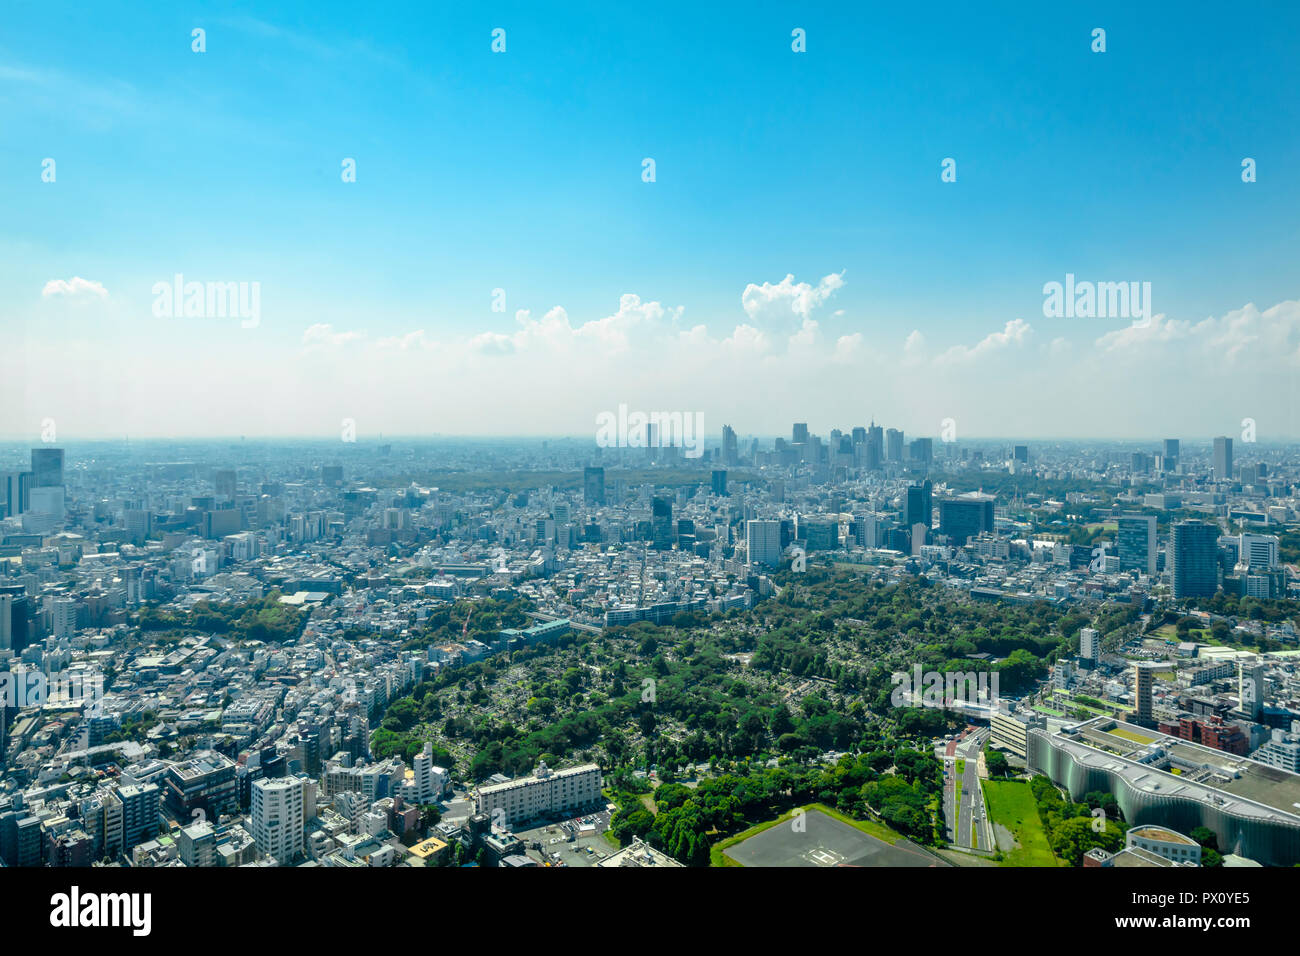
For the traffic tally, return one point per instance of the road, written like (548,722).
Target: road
(972,828)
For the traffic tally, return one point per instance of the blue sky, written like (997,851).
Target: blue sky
(522,171)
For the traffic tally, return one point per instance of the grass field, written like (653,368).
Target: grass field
(1011,803)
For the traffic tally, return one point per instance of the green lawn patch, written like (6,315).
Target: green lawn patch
(1011,804)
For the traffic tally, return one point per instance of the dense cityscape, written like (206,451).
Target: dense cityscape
(449,652)
(858,444)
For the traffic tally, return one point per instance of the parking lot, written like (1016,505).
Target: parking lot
(578,841)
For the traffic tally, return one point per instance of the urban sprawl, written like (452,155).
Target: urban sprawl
(487,652)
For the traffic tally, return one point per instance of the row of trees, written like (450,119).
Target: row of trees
(1072,828)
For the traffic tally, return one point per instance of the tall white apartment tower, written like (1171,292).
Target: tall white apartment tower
(430,781)
(1089,644)
(64,615)
(278,817)
(1250,687)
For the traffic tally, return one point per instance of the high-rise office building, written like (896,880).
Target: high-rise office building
(19,631)
(661,523)
(763,542)
(730,447)
(1258,551)
(1169,459)
(47,465)
(15,492)
(1137,543)
(965,516)
(1193,559)
(225,483)
(1222,458)
(278,817)
(47,501)
(921,452)
(593,486)
(893,445)
(875,449)
(799,434)
(819,532)
(719,482)
(920,505)
(6,627)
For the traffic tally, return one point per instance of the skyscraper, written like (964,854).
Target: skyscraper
(593,486)
(720,482)
(730,448)
(1137,543)
(1223,458)
(1193,564)
(47,464)
(965,516)
(225,483)
(1169,460)
(19,630)
(875,447)
(661,523)
(6,625)
(893,445)
(921,452)
(920,505)
(819,532)
(15,492)
(763,542)
(799,434)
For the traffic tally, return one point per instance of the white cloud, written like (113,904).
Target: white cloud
(322,335)
(411,341)
(1013,333)
(746,338)
(849,348)
(548,373)
(74,288)
(914,348)
(1242,335)
(787,299)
